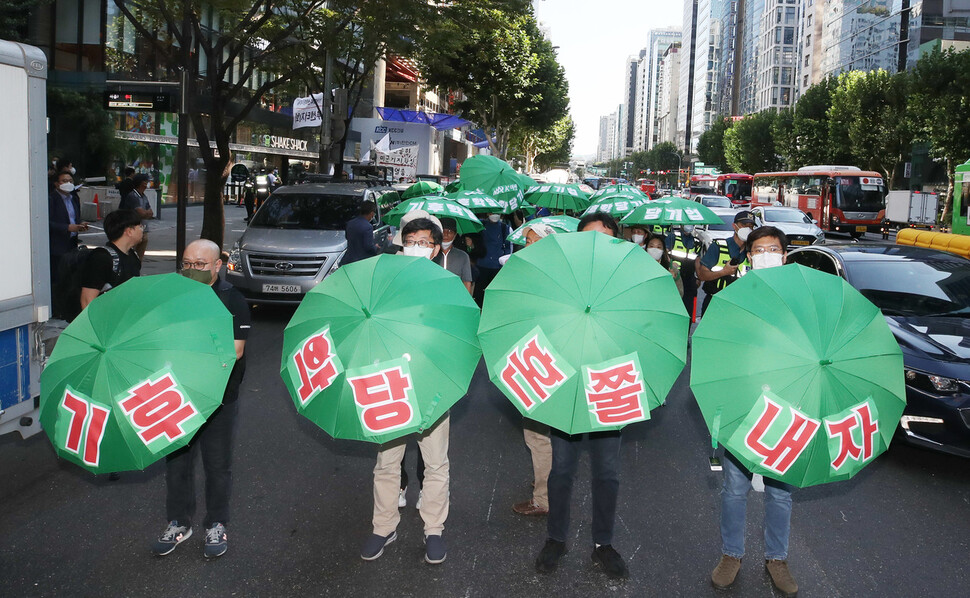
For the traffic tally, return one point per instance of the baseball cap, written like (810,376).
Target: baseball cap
(408,217)
(744,217)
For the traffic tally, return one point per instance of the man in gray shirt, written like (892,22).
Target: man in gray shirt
(451,258)
(137,201)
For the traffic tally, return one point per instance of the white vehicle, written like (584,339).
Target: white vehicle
(714,201)
(911,208)
(797,225)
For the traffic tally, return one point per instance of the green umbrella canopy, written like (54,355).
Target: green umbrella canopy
(479,202)
(557,197)
(453,186)
(495,177)
(381,348)
(617,205)
(671,211)
(466,220)
(583,332)
(422,188)
(137,373)
(525,181)
(798,375)
(561,224)
(617,189)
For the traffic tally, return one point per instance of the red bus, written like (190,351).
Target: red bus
(648,186)
(842,198)
(735,186)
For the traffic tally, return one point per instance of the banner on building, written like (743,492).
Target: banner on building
(308,112)
(402,161)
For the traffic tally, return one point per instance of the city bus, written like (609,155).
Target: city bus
(648,186)
(735,186)
(842,199)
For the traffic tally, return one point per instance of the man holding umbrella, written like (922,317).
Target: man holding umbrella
(766,247)
(736,244)
(201,262)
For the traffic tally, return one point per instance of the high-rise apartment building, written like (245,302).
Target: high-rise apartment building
(629,102)
(776,85)
(668,87)
(685,95)
(644,118)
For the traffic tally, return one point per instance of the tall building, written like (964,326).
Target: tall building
(658,40)
(685,95)
(609,142)
(726,15)
(603,146)
(668,88)
(750,39)
(776,85)
(629,102)
(707,63)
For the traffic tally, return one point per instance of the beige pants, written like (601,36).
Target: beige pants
(537,439)
(387,481)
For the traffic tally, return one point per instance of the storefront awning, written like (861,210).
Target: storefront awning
(441,122)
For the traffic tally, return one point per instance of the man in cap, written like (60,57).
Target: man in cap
(452,258)
(715,280)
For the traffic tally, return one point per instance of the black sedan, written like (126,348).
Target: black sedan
(925,296)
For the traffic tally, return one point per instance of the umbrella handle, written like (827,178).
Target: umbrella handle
(425,424)
(716,428)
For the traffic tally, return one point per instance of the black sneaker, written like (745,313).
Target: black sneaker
(216,542)
(611,561)
(548,559)
(435,550)
(374,546)
(173,535)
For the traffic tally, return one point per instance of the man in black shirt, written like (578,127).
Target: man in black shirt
(116,262)
(201,261)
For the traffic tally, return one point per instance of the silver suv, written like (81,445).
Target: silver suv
(296,239)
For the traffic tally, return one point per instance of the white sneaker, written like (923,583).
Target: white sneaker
(402,499)
(417,505)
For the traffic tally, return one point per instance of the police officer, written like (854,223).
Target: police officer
(715,280)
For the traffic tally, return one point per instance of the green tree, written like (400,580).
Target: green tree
(839,119)
(749,145)
(783,132)
(13,18)
(941,112)
(542,149)
(82,130)
(710,146)
(810,127)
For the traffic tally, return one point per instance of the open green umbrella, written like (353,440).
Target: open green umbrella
(563,224)
(617,205)
(557,197)
(422,188)
(466,220)
(617,190)
(798,375)
(583,332)
(525,181)
(381,348)
(137,373)
(453,186)
(670,211)
(479,202)
(495,177)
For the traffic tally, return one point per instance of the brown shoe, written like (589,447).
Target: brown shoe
(529,508)
(726,572)
(782,578)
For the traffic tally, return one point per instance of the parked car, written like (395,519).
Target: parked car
(296,239)
(714,201)
(925,296)
(796,224)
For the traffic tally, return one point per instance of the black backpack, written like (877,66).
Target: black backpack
(66,294)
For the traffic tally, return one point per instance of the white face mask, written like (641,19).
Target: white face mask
(418,251)
(638,239)
(743,233)
(766,260)
(688,228)
(494,217)
(446,245)
(73,171)
(66,187)
(655,252)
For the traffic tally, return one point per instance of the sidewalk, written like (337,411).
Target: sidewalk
(160,256)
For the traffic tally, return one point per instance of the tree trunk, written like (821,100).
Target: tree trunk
(214,215)
(947,217)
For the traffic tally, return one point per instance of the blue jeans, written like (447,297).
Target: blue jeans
(734,503)
(604,457)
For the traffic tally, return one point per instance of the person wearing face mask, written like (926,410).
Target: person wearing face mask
(137,201)
(494,240)
(766,248)
(201,262)
(64,218)
(422,238)
(638,236)
(452,258)
(657,249)
(715,280)
(360,234)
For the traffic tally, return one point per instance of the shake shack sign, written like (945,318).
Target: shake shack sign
(279,142)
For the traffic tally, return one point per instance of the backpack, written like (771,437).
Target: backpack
(66,293)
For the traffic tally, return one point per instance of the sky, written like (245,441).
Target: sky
(595,38)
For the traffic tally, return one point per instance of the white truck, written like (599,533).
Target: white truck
(911,209)
(25,270)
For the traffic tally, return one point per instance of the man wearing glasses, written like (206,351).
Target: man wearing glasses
(421,237)
(201,262)
(766,248)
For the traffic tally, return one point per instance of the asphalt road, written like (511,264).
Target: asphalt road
(302,507)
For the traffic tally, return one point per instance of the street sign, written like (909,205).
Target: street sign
(138,100)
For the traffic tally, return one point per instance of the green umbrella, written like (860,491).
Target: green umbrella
(495,177)
(381,348)
(137,373)
(617,189)
(798,375)
(669,211)
(584,332)
(617,205)
(422,188)
(557,197)
(525,181)
(467,221)
(563,224)
(479,203)
(453,186)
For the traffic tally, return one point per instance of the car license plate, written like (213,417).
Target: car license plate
(799,242)
(282,288)
(861,229)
